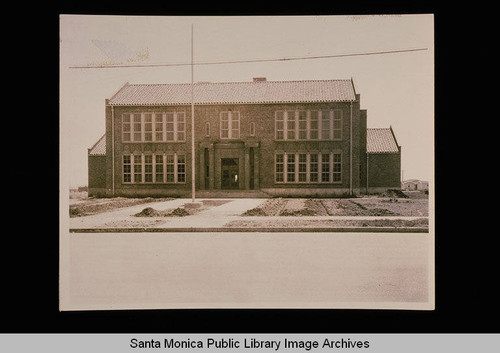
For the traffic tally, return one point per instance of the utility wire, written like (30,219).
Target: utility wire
(251,60)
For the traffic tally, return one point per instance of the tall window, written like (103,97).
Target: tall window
(159,168)
(280,125)
(302,125)
(302,167)
(313,168)
(126,127)
(252,129)
(148,127)
(230,125)
(290,125)
(337,124)
(181,126)
(170,171)
(207,129)
(325,125)
(313,125)
(280,168)
(127,169)
(148,168)
(137,168)
(325,168)
(181,169)
(290,169)
(337,167)
(159,127)
(137,127)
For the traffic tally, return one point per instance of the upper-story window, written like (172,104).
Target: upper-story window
(230,125)
(308,125)
(154,127)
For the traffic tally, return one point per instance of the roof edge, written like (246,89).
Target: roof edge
(95,144)
(114,95)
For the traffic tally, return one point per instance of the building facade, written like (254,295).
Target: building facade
(305,138)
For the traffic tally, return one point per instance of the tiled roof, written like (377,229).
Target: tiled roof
(381,140)
(99,149)
(236,93)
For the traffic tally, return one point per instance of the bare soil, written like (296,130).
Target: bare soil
(180,211)
(327,223)
(364,206)
(91,206)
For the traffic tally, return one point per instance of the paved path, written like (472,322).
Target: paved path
(209,216)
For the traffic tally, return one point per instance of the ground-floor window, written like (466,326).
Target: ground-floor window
(308,167)
(154,168)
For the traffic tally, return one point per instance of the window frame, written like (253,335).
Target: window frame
(145,128)
(313,165)
(139,168)
(231,122)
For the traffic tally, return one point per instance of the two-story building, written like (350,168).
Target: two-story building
(305,138)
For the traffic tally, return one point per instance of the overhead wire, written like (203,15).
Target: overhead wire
(396,51)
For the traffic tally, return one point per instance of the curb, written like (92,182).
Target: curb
(254,230)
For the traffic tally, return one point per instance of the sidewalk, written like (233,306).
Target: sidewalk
(225,215)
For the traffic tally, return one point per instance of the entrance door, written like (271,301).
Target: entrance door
(229,173)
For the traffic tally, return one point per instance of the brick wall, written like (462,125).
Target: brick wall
(262,115)
(96,175)
(384,170)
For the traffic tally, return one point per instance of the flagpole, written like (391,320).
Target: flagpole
(192,122)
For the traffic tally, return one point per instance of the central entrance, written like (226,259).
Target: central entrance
(229,173)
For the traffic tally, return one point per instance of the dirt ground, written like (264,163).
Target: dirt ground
(327,223)
(363,206)
(85,206)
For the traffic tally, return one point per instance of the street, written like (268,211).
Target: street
(247,270)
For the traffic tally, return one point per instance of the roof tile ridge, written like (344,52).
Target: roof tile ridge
(95,144)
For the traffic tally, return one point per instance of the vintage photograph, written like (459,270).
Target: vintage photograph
(246,162)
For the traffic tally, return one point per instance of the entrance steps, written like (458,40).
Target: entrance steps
(222,194)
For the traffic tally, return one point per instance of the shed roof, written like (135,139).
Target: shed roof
(340,90)
(381,140)
(99,148)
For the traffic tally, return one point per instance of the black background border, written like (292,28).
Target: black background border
(465,292)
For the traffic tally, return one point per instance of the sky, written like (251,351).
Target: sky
(396,89)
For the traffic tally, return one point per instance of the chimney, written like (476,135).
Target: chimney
(259,79)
